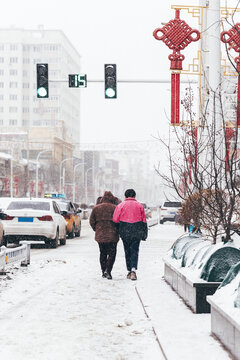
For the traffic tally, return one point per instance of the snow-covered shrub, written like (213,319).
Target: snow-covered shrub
(219,263)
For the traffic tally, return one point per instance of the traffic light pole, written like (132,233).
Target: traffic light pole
(146,81)
(143,81)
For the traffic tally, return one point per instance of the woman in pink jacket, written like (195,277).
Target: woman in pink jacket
(130,216)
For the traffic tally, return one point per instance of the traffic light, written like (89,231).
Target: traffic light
(77,80)
(42,80)
(110,81)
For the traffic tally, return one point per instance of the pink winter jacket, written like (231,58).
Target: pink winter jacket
(130,211)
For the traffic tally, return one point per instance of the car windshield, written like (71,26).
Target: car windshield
(173,204)
(34,205)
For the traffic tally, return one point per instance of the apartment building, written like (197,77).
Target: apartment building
(20,109)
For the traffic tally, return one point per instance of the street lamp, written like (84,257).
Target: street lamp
(60,181)
(39,154)
(86,186)
(74,185)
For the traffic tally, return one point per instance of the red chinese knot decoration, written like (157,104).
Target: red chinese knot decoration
(232,38)
(177,35)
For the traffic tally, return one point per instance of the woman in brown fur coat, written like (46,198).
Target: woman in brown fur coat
(106,232)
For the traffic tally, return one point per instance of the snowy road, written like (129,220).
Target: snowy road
(60,307)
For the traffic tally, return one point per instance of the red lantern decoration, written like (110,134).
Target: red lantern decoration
(177,35)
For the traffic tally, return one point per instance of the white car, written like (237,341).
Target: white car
(34,219)
(169,210)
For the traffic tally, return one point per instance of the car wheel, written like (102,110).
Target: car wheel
(161,221)
(78,233)
(54,242)
(63,241)
(3,241)
(72,233)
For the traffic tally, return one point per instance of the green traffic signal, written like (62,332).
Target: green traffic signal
(42,80)
(110,81)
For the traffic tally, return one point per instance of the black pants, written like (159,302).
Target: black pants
(131,249)
(108,253)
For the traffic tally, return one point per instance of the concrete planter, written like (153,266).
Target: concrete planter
(193,293)
(225,328)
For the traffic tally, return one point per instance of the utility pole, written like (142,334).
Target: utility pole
(214,60)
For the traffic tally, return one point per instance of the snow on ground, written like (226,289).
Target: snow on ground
(61,308)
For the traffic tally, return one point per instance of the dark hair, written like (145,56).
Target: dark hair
(99,200)
(130,193)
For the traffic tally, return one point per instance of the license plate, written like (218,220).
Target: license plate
(25,219)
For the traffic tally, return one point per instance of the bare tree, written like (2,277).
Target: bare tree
(205,176)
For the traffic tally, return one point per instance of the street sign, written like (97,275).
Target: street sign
(77,80)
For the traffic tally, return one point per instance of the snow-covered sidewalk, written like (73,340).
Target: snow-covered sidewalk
(61,308)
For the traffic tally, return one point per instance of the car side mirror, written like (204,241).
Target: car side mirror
(79,211)
(63,213)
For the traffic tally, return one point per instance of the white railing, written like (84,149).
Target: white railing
(8,256)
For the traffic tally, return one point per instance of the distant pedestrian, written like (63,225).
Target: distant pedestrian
(130,216)
(106,232)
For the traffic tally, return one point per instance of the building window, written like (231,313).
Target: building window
(1,97)
(26,123)
(13,47)
(25,98)
(12,97)
(26,47)
(1,108)
(1,84)
(25,110)
(25,85)
(13,60)
(13,84)
(1,72)
(13,109)
(1,46)
(12,122)
(26,61)
(1,59)
(1,122)
(13,72)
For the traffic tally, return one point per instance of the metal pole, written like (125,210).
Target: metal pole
(60,182)
(86,184)
(38,156)
(214,60)
(11,175)
(74,178)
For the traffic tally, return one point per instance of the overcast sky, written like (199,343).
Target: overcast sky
(111,31)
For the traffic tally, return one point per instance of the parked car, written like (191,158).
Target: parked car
(168,211)
(72,217)
(35,220)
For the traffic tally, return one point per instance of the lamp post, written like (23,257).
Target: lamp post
(39,154)
(86,184)
(60,178)
(11,175)
(74,176)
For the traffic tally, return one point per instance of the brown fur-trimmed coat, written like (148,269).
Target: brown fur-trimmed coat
(101,220)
